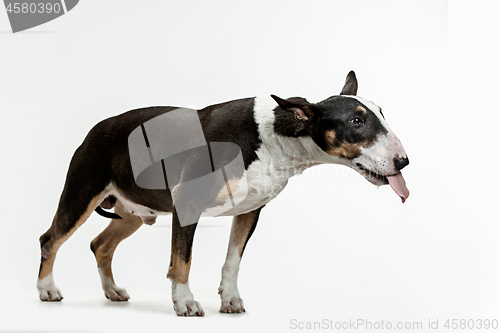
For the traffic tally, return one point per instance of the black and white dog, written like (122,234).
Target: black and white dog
(277,138)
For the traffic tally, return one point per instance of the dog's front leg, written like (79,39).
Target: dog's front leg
(241,231)
(178,272)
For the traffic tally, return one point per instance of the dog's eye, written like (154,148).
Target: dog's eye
(356,121)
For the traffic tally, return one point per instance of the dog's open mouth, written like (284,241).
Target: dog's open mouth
(396,181)
(373,177)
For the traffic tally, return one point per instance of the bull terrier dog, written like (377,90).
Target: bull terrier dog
(271,138)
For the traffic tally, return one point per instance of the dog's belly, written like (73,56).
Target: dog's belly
(249,195)
(133,207)
(260,184)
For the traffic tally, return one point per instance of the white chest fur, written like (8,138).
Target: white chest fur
(279,158)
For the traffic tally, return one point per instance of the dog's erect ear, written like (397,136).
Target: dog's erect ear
(302,110)
(351,84)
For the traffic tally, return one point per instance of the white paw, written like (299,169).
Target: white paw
(233,305)
(48,290)
(184,304)
(230,298)
(115,293)
(111,290)
(188,308)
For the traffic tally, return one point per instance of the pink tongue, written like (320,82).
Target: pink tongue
(398,184)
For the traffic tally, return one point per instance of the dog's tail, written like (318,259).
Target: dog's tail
(107,214)
(108,203)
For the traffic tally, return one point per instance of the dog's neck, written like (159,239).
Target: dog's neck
(286,153)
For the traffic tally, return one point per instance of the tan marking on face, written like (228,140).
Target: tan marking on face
(58,239)
(240,230)
(344,149)
(330,136)
(105,244)
(361,109)
(179,269)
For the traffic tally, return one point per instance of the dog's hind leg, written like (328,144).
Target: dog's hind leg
(178,272)
(63,226)
(104,247)
(241,231)
(85,187)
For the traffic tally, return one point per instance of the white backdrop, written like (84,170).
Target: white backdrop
(331,246)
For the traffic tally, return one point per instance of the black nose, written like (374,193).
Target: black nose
(400,162)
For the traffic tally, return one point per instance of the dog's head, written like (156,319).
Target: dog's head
(354,130)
